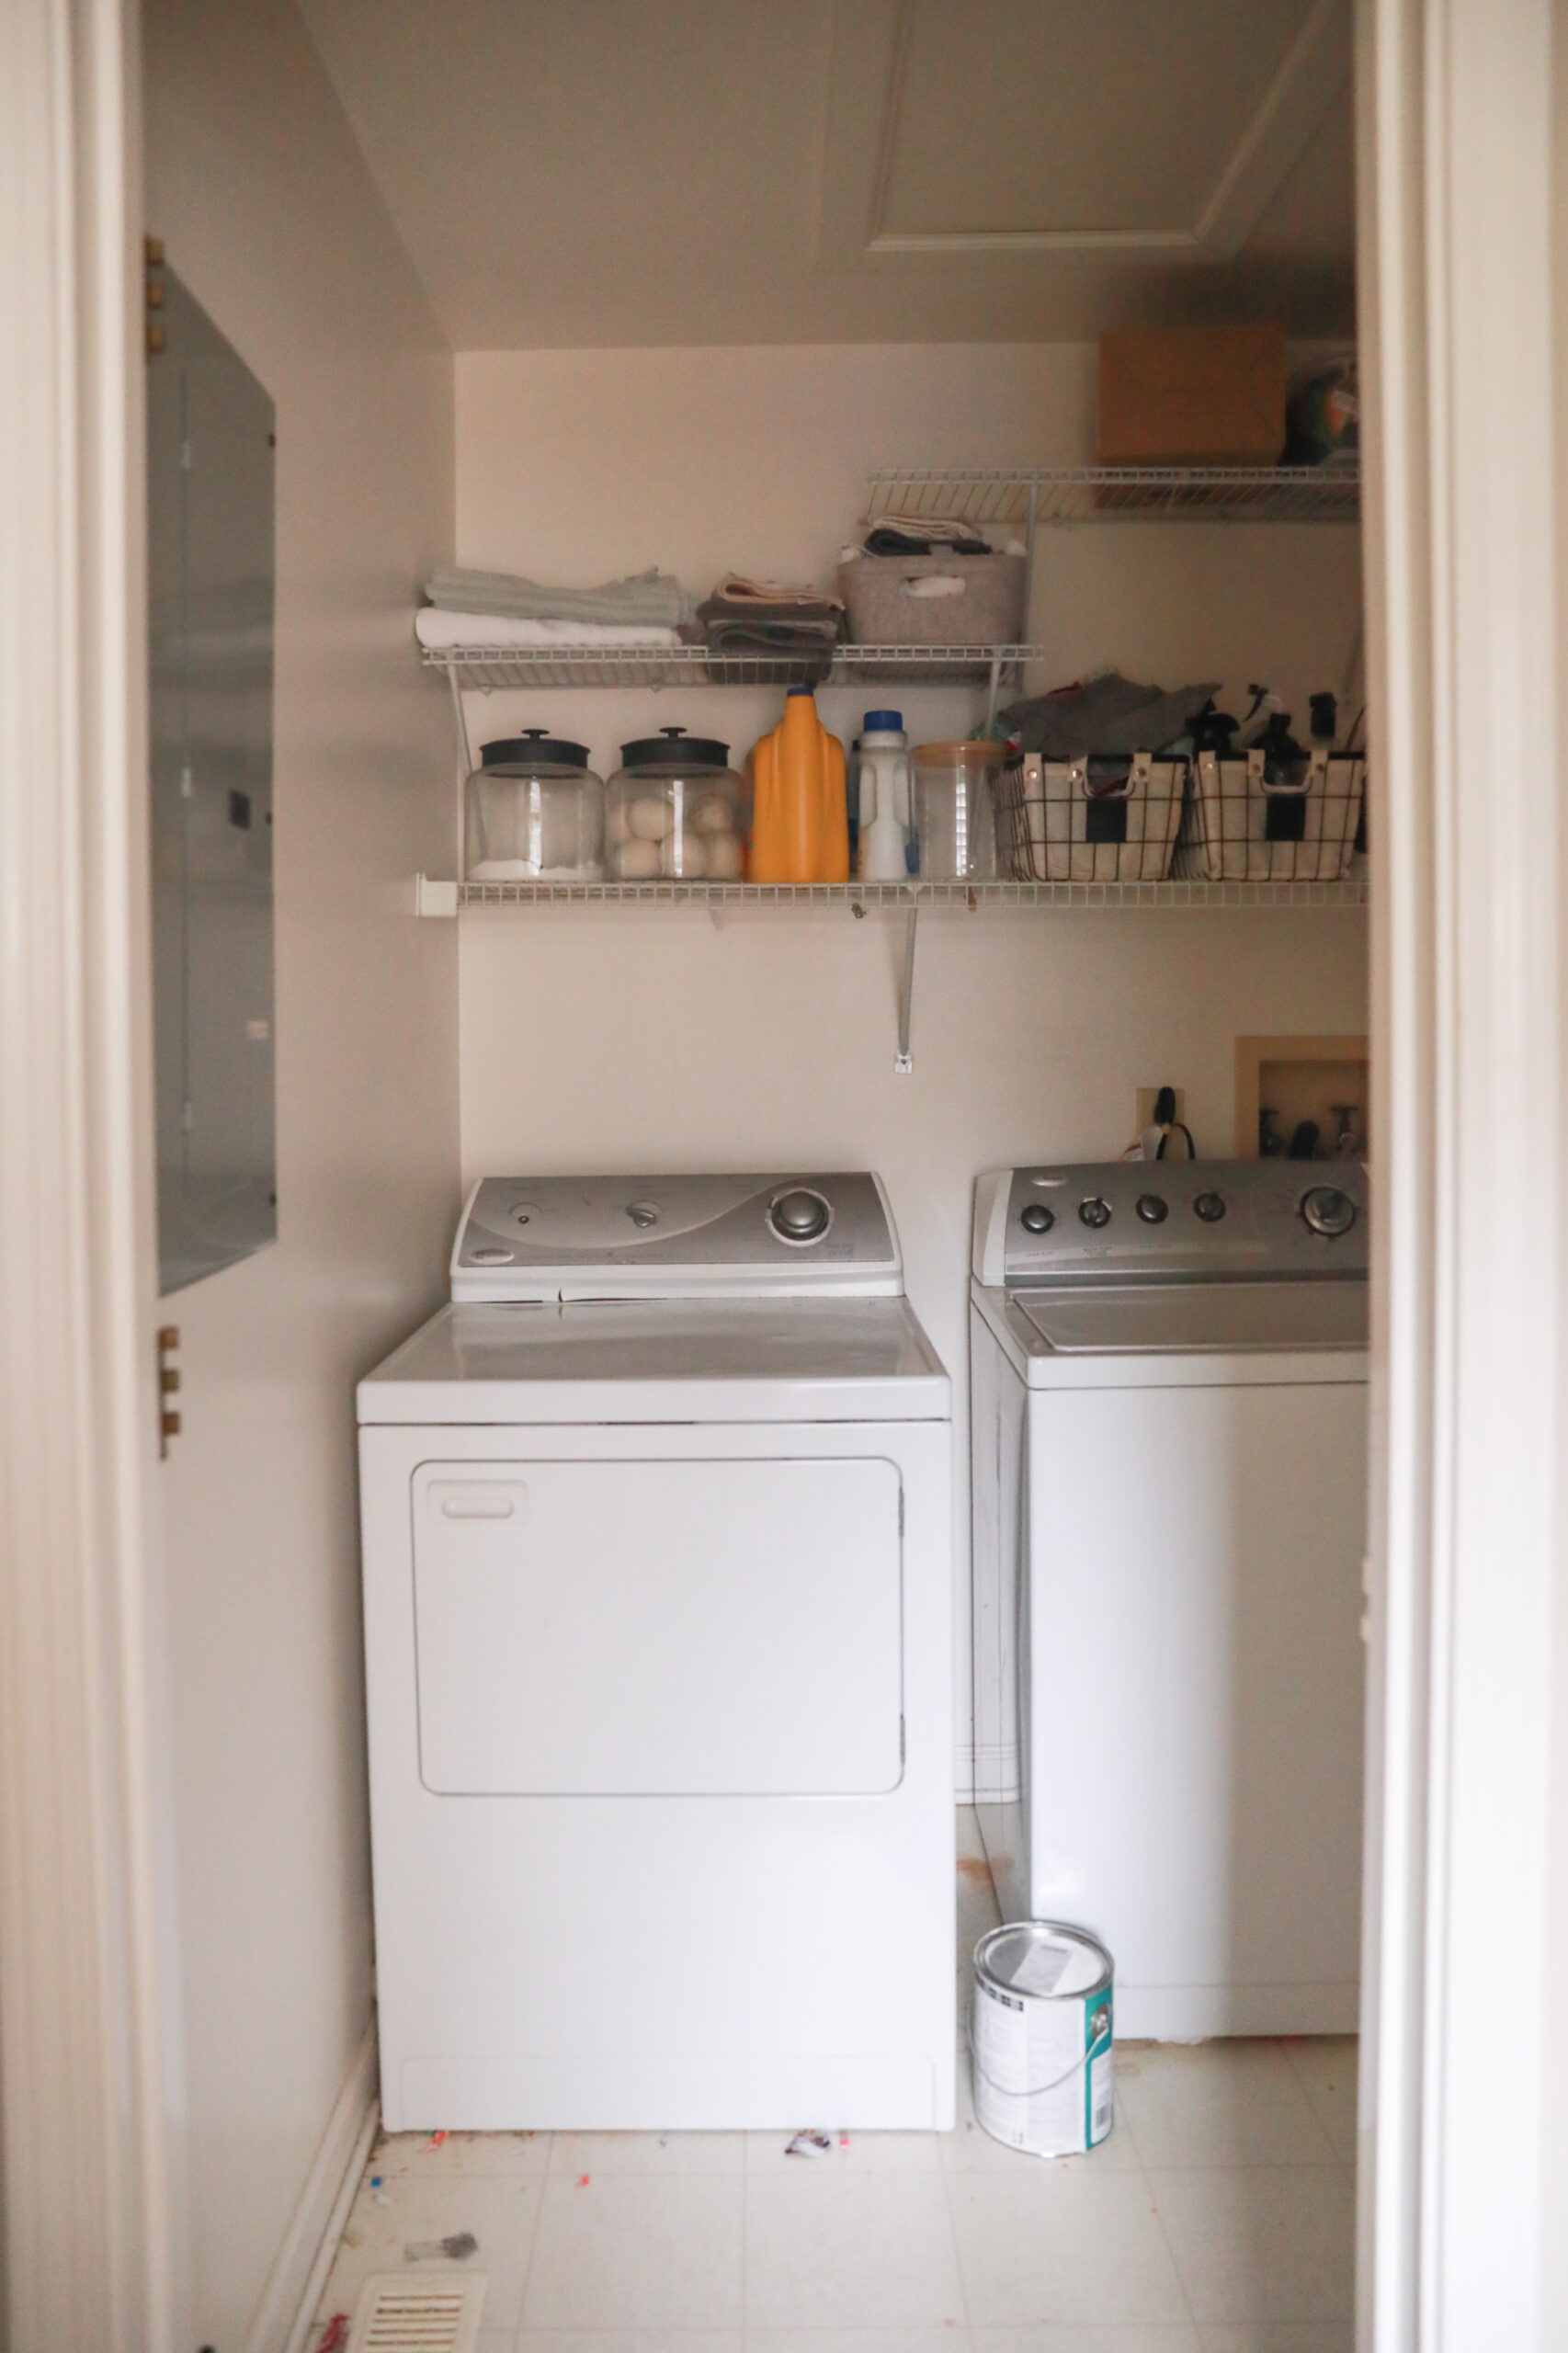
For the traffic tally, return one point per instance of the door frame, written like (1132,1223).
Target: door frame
(1456,106)
(1457,249)
(86,2253)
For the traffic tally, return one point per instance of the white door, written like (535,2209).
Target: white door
(676,1628)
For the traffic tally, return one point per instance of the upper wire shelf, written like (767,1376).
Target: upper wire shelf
(489,667)
(1027,496)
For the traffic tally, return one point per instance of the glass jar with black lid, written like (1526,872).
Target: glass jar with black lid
(676,811)
(535,812)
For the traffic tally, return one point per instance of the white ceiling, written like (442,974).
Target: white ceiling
(572,173)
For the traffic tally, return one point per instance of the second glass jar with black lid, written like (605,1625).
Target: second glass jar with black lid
(535,812)
(675,811)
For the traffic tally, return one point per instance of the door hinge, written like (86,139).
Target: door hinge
(168,1386)
(185,457)
(187,784)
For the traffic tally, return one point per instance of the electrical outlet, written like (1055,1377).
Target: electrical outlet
(1147,1097)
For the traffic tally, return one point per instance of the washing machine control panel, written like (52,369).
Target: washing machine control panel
(1169,1220)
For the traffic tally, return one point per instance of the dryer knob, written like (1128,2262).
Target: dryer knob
(1037,1218)
(799,1216)
(1210,1207)
(1153,1210)
(1093,1211)
(1328,1211)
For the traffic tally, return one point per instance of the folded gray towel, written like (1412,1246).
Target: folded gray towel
(1110,714)
(652,598)
(736,634)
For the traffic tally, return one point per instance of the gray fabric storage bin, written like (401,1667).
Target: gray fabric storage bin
(881,610)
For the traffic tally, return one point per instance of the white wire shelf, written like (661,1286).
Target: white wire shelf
(492,667)
(1034,495)
(911,897)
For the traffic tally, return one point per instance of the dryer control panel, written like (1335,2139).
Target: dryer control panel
(1184,1221)
(677,1237)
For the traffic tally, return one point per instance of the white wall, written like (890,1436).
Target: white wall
(647,1040)
(271,219)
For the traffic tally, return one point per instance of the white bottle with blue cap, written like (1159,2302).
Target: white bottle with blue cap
(884,789)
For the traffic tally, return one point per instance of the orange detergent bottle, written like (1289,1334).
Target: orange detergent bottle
(799,826)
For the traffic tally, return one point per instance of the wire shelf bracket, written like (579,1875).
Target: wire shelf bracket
(910,899)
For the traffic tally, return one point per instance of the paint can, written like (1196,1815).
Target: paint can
(1040,2037)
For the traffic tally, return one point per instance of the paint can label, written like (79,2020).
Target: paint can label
(1036,2085)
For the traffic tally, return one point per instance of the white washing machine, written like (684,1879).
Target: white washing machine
(657,1561)
(1169,1452)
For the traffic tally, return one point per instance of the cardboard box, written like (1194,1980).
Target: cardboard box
(1192,396)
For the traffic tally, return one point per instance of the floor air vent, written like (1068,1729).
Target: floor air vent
(434,2313)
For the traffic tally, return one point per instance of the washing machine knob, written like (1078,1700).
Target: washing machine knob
(1093,1211)
(1153,1210)
(1037,1218)
(799,1216)
(1210,1207)
(1328,1210)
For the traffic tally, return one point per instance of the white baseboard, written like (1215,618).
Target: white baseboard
(286,2306)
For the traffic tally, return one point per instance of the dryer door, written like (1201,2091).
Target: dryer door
(671,1628)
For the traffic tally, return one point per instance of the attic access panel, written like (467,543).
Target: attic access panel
(211,564)
(1097,117)
(1115,128)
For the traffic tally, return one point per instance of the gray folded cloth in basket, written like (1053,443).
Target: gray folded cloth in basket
(652,597)
(1108,714)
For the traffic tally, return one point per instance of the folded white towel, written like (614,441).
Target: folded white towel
(443,631)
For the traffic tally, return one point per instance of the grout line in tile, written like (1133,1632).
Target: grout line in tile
(947,2175)
(1306,2088)
(745,2262)
(1148,2187)
(1148,2181)
(541,2182)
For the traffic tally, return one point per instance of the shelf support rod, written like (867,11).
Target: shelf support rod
(1028,555)
(465,762)
(904,1063)
(992,692)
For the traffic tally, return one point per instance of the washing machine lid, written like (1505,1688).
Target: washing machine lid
(663,1361)
(1189,1319)
(677,1237)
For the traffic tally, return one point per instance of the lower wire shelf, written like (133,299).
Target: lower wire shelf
(905,898)
(914,896)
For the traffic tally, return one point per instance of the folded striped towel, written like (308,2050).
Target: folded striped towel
(647,599)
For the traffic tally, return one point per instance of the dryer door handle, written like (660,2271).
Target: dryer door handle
(478,1502)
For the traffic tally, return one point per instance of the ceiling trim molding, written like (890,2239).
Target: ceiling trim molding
(871,40)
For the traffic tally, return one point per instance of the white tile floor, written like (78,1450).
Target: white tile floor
(1216,2219)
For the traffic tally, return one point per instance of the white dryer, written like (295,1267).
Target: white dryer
(657,1561)
(1169,1453)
